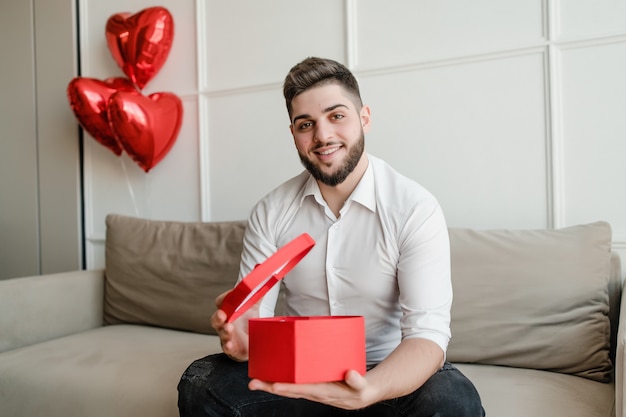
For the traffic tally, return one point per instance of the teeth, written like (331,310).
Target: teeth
(328,152)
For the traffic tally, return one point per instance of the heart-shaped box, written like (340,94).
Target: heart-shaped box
(307,349)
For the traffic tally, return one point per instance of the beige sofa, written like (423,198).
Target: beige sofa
(534,321)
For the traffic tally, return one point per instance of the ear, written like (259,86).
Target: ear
(293,136)
(366,118)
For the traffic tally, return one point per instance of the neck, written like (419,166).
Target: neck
(335,196)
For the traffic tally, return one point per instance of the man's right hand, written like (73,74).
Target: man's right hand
(233,336)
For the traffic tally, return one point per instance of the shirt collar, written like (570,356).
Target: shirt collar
(364,193)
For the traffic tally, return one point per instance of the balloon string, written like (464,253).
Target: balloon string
(130,187)
(148,195)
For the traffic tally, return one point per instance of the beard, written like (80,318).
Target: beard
(347,166)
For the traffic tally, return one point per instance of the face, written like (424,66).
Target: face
(328,130)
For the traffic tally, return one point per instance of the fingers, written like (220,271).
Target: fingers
(218,319)
(224,330)
(220,298)
(232,343)
(256,384)
(233,336)
(283,389)
(355,380)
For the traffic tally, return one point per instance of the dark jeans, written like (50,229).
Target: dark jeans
(217,386)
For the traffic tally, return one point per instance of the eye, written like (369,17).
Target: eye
(305,125)
(338,116)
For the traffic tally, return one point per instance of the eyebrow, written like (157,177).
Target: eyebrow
(326,110)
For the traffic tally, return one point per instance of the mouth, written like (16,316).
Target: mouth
(327,151)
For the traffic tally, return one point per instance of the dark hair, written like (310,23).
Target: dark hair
(313,72)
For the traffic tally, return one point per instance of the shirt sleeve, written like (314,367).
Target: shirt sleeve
(424,275)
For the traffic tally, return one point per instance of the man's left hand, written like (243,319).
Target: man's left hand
(351,394)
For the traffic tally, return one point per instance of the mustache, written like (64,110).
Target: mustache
(325,144)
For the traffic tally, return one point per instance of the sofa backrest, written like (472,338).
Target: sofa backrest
(167,273)
(538,299)
(542,299)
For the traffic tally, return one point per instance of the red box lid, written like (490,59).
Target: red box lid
(264,276)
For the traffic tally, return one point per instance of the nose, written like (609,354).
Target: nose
(323,132)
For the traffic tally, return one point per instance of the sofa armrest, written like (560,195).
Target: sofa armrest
(620,359)
(39,308)
(620,383)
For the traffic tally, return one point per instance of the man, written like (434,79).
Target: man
(382,251)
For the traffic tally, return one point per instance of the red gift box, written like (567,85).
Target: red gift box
(306,349)
(295,349)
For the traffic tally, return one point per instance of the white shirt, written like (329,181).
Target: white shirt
(387,256)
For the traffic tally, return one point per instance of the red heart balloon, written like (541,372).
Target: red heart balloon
(88,99)
(146,127)
(140,43)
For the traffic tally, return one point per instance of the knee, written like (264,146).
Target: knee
(189,388)
(196,374)
(193,384)
(211,385)
(454,395)
(467,405)
(455,404)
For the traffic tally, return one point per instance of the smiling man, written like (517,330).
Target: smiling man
(382,252)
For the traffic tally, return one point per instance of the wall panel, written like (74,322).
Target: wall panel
(509,111)
(251,150)
(171,190)
(474,133)
(420,31)
(57,136)
(251,43)
(594,132)
(588,18)
(178,74)
(19,206)
(40,194)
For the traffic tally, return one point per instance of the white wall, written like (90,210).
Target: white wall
(40,190)
(510,111)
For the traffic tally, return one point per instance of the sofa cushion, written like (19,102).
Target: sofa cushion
(120,371)
(533,299)
(166,273)
(518,392)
